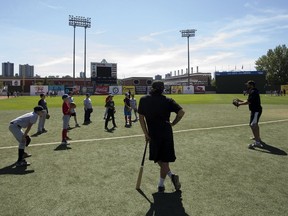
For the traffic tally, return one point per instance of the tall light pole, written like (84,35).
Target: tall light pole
(79,21)
(188,33)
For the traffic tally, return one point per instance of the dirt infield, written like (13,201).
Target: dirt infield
(3,97)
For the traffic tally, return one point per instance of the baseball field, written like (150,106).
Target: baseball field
(97,173)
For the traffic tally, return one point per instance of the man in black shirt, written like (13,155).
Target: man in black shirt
(255,107)
(154,116)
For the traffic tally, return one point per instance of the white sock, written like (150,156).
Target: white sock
(161,182)
(170,173)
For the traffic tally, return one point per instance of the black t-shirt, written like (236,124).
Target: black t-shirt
(254,100)
(157,109)
(43,103)
(127,101)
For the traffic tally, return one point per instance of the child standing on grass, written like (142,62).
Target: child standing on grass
(106,109)
(110,106)
(133,104)
(127,110)
(72,110)
(88,109)
(16,125)
(42,119)
(66,118)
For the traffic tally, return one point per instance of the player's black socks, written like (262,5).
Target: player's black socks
(20,154)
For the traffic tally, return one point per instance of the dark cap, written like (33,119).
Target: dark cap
(250,82)
(65,96)
(41,95)
(158,85)
(38,108)
(87,94)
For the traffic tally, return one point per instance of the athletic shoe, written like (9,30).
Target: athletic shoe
(22,163)
(44,130)
(39,132)
(176,182)
(77,125)
(255,144)
(161,189)
(64,142)
(253,138)
(26,155)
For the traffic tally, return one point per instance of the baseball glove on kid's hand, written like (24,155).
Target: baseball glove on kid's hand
(47,116)
(28,140)
(235,102)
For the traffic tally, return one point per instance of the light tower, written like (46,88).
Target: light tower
(188,33)
(79,21)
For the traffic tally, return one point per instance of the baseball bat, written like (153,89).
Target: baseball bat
(141,168)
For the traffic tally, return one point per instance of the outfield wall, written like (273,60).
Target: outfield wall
(116,90)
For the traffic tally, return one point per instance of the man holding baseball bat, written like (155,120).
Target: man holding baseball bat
(154,116)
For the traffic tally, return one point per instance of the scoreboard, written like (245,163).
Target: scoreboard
(104,73)
(234,82)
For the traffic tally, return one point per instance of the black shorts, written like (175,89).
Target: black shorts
(73,114)
(161,146)
(254,117)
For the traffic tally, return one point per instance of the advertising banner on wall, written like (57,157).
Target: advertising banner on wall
(167,89)
(102,90)
(141,90)
(38,89)
(16,82)
(284,87)
(176,90)
(115,90)
(188,89)
(56,89)
(128,88)
(199,89)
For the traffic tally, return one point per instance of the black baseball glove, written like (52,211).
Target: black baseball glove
(235,102)
(28,140)
(47,116)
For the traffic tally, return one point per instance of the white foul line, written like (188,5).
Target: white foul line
(141,135)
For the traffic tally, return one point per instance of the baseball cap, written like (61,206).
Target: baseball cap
(65,96)
(87,94)
(38,108)
(250,82)
(158,85)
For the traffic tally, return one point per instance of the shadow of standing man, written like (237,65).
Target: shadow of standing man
(167,204)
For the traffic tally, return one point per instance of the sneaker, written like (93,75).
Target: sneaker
(64,142)
(255,144)
(253,138)
(39,132)
(26,155)
(77,125)
(44,130)
(161,189)
(22,163)
(176,182)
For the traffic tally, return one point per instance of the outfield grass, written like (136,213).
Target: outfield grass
(97,176)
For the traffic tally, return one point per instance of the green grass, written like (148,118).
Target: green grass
(97,176)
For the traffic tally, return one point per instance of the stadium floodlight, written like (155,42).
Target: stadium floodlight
(79,21)
(188,33)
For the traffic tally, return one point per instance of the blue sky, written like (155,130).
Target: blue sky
(142,37)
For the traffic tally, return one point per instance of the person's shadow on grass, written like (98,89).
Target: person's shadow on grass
(62,147)
(165,204)
(271,150)
(13,170)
